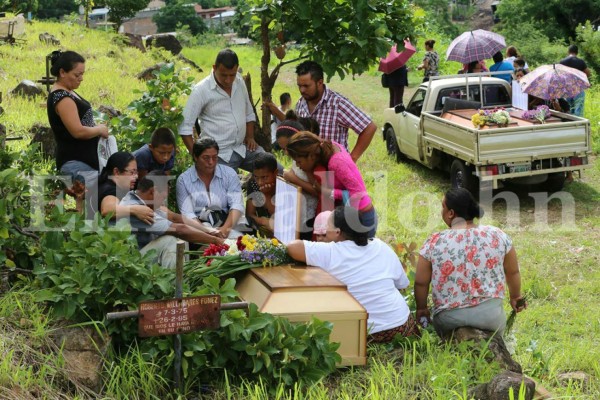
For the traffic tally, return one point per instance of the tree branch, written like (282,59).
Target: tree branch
(25,233)
(275,71)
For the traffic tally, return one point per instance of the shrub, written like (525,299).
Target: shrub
(90,271)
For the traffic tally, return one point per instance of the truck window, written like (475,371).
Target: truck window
(495,95)
(416,103)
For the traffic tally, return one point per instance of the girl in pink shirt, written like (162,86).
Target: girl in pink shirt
(342,182)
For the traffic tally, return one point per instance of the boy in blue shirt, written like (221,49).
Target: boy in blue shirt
(501,65)
(159,155)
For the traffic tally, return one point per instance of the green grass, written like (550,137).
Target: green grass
(559,332)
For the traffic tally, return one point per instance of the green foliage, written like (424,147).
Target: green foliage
(159,106)
(535,47)
(254,346)
(20,249)
(172,15)
(438,16)
(92,270)
(123,9)
(588,40)
(554,20)
(348,43)
(54,9)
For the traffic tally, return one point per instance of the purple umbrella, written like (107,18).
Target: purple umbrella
(475,46)
(551,82)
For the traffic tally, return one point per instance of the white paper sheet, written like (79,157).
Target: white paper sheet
(519,99)
(287,211)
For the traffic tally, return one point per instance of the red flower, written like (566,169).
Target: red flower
(471,251)
(447,268)
(475,283)
(239,243)
(464,287)
(477,262)
(495,243)
(491,263)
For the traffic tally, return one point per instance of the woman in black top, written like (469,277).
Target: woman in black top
(72,122)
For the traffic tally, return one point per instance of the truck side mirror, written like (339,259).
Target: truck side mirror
(399,108)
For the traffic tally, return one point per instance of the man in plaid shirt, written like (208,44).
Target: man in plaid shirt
(334,113)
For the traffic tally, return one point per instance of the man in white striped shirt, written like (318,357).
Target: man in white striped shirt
(221,104)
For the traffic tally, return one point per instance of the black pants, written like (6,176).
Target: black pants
(396,94)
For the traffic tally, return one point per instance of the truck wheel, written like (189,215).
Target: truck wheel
(391,144)
(555,182)
(462,176)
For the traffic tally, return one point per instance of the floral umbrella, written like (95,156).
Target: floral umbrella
(475,46)
(551,82)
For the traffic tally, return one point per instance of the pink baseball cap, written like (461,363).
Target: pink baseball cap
(320,226)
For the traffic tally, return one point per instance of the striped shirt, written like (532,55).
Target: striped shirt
(224,193)
(335,114)
(222,117)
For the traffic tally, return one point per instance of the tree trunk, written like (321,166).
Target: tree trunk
(266,82)
(261,139)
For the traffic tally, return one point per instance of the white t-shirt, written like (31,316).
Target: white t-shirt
(373,274)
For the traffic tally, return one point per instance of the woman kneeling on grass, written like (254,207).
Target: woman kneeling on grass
(369,268)
(467,266)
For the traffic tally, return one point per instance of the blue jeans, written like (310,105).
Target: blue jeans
(369,220)
(83,173)
(576,104)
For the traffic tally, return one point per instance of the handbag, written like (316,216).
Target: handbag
(216,218)
(385,82)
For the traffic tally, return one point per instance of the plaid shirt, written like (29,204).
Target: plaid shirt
(335,114)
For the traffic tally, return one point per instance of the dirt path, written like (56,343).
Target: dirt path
(483,17)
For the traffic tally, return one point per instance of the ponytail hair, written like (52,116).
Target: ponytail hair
(347,220)
(64,60)
(119,160)
(303,144)
(464,205)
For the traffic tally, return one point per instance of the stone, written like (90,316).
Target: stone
(189,62)
(167,42)
(147,74)
(495,344)
(83,349)
(578,378)
(45,137)
(26,88)
(136,41)
(48,38)
(110,111)
(499,387)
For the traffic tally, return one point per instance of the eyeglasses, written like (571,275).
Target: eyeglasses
(131,171)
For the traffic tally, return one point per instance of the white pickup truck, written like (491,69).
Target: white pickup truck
(435,129)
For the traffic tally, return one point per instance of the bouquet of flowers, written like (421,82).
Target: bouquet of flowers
(235,255)
(498,116)
(540,113)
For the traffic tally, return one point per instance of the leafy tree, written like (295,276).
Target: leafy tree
(555,19)
(344,36)
(123,9)
(589,45)
(438,16)
(172,15)
(54,9)
(20,6)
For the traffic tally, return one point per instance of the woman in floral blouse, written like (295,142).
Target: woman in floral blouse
(467,267)
(430,62)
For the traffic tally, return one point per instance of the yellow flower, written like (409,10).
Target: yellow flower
(275,242)
(250,247)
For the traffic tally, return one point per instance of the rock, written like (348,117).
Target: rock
(110,111)
(189,62)
(167,42)
(26,88)
(147,74)
(44,135)
(500,386)
(135,41)
(48,38)
(83,350)
(496,346)
(575,377)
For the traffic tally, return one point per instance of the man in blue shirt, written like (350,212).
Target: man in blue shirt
(500,65)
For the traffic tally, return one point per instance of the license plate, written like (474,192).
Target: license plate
(520,168)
